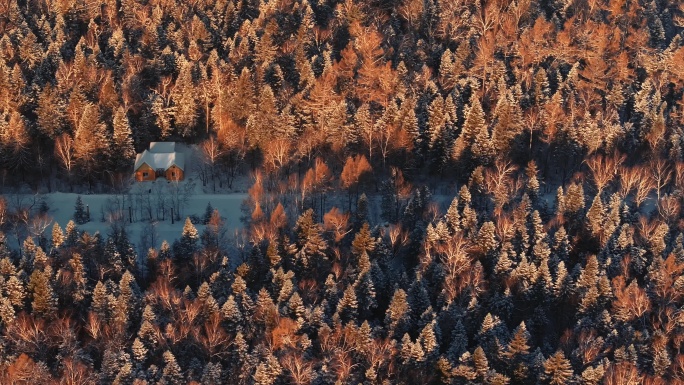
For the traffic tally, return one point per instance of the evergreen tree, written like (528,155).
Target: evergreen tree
(557,369)
(57,236)
(44,299)
(311,246)
(208,212)
(397,317)
(363,241)
(172,374)
(347,308)
(596,216)
(71,234)
(187,245)
(81,216)
(232,317)
(122,150)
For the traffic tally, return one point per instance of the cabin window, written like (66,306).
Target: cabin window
(145,174)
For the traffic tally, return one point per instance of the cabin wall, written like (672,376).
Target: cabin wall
(140,174)
(174,173)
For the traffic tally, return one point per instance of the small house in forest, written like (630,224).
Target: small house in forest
(161,160)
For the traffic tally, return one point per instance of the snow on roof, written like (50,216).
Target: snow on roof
(157,160)
(162,147)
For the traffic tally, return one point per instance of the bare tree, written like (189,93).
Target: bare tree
(179,194)
(604,168)
(660,175)
(337,222)
(211,153)
(454,257)
(498,181)
(64,151)
(644,186)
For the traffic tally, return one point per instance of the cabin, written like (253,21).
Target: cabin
(160,160)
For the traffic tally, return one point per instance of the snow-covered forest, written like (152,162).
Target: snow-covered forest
(430,192)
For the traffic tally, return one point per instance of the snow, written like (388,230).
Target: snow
(161,155)
(62,211)
(162,147)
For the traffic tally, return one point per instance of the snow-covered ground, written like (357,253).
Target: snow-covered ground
(61,210)
(149,203)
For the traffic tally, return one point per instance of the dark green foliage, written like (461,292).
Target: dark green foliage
(81,215)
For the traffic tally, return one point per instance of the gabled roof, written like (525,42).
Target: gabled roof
(163,160)
(162,147)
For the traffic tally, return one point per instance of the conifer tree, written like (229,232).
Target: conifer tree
(71,234)
(80,214)
(347,308)
(122,150)
(596,217)
(188,244)
(171,375)
(44,299)
(183,95)
(7,313)
(15,291)
(310,242)
(557,369)
(99,304)
(57,236)
(397,317)
(473,126)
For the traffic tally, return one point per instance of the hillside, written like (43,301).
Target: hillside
(402,192)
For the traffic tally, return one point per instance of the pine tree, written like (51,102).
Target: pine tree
(15,291)
(208,212)
(481,363)
(486,237)
(81,216)
(212,374)
(436,120)
(311,244)
(100,305)
(129,301)
(574,199)
(57,236)
(71,234)
(557,369)
(519,344)
(397,317)
(185,104)
(139,351)
(347,308)
(122,150)
(429,340)
(596,217)
(90,140)
(172,374)
(532,181)
(366,294)
(7,313)
(473,126)
(268,371)
(295,306)
(188,244)
(452,217)
(363,242)
(44,299)
(232,317)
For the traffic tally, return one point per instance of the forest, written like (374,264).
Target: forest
(525,159)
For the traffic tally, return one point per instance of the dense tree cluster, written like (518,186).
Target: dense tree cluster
(555,126)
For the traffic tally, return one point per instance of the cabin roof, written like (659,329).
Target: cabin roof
(162,147)
(160,160)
